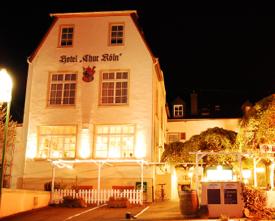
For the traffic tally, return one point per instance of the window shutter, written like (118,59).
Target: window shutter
(182,136)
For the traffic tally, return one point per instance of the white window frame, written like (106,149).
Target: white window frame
(178,110)
(62,89)
(114,88)
(116,34)
(123,142)
(176,136)
(66,38)
(57,142)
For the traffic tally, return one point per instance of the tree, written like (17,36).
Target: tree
(213,139)
(258,125)
(9,150)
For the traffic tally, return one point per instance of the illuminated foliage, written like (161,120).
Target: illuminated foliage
(9,147)
(213,139)
(258,125)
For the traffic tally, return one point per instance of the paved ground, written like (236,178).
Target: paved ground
(166,210)
(75,214)
(160,211)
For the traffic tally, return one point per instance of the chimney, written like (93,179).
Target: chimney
(194,103)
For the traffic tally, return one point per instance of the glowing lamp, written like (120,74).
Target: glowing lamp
(246,174)
(260,169)
(219,174)
(5,86)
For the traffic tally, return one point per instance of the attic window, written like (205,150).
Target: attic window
(66,36)
(116,34)
(178,110)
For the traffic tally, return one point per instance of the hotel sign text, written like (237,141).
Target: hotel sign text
(89,58)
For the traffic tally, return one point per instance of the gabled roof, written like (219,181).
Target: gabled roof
(94,14)
(131,13)
(178,100)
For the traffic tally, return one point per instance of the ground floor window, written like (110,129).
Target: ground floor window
(114,141)
(57,142)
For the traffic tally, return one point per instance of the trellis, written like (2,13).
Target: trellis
(100,164)
(257,157)
(200,155)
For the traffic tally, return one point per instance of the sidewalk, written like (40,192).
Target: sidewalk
(169,210)
(163,210)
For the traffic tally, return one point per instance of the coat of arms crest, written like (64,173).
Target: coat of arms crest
(88,73)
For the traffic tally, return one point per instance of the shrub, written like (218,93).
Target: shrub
(48,186)
(69,201)
(121,202)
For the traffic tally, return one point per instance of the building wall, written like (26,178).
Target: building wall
(91,38)
(193,127)
(25,200)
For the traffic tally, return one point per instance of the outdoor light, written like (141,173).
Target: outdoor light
(5,97)
(219,173)
(246,174)
(260,169)
(5,86)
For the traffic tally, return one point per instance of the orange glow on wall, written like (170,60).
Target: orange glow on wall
(85,150)
(140,150)
(32,147)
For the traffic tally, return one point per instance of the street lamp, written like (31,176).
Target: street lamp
(5,96)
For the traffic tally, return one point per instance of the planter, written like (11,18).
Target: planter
(118,202)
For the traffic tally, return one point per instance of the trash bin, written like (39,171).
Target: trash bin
(189,203)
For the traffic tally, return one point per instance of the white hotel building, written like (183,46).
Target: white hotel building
(95,95)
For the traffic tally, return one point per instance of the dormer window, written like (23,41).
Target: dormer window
(116,34)
(178,110)
(66,36)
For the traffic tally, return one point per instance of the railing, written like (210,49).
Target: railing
(93,196)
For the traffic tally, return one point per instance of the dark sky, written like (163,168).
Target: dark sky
(224,52)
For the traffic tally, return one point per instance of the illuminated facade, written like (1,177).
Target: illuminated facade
(94,91)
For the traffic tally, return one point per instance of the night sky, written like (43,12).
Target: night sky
(225,53)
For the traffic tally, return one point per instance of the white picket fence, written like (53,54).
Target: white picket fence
(93,197)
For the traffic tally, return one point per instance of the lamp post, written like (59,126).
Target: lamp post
(5,96)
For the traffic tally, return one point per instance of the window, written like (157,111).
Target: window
(57,142)
(62,89)
(175,137)
(178,110)
(115,141)
(116,34)
(66,36)
(114,88)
